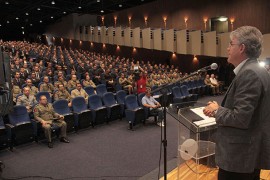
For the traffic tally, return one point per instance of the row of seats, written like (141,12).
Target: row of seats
(99,109)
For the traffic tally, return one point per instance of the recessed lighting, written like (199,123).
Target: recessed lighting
(40,21)
(8,22)
(98,0)
(26,14)
(0,25)
(64,12)
(52,17)
(120,5)
(23,32)
(38,9)
(79,7)
(53,2)
(22,27)
(17,18)
(6,2)
(31,24)
(102,11)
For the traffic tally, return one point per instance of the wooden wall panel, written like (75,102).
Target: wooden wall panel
(136,39)
(209,44)
(266,47)
(157,39)
(224,40)
(181,41)
(146,38)
(127,38)
(169,40)
(195,45)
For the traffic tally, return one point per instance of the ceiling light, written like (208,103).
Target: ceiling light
(52,17)
(6,2)
(120,5)
(64,12)
(31,24)
(53,2)
(17,18)
(23,32)
(26,14)
(80,7)
(38,9)
(98,0)
(102,11)
(22,27)
(40,21)
(222,19)
(8,22)
(0,25)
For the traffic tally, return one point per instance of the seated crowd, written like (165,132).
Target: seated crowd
(64,73)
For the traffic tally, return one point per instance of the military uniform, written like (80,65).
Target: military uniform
(61,82)
(28,102)
(47,113)
(33,90)
(72,84)
(16,91)
(82,93)
(62,95)
(46,87)
(89,83)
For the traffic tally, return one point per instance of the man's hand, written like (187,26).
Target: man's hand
(61,117)
(210,108)
(44,123)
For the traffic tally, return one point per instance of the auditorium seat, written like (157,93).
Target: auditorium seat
(61,107)
(99,112)
(134,113)
(83,116)
(114,109)
(120,97)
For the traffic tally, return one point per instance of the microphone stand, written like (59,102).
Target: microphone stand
(163,90)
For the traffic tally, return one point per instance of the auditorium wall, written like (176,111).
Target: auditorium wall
(244,12)
(69,25)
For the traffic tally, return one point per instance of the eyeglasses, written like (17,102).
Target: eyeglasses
(231,44)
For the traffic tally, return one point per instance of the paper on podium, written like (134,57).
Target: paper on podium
(207,121)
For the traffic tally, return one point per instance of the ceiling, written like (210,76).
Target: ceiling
(29,16)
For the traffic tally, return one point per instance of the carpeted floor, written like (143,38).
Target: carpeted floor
(108,152)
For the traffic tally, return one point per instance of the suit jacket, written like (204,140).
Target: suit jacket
(243,133)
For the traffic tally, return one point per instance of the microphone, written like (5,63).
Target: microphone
(213,66)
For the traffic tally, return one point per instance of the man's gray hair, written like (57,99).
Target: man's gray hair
(251,37)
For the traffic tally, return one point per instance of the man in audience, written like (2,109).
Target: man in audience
(46,86)
(62,93)
(154,106)
(27,99)
(214,83)
(17,81)
(79,92)
(72,83)
(125,83)
(33,89)
(45,114)
(207,82)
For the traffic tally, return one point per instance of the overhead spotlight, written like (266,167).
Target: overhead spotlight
(6,2)
(79,7)
(23,32)
(102,11)
(53,2)
(98,0)
(0,25)
(26,14)
(8,22)
(40,21)
(31,24)
(120,5)
(64,12)
(51,17)
(17,18)
(38,9)
(22,27)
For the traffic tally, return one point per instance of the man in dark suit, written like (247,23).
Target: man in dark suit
(243,119)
